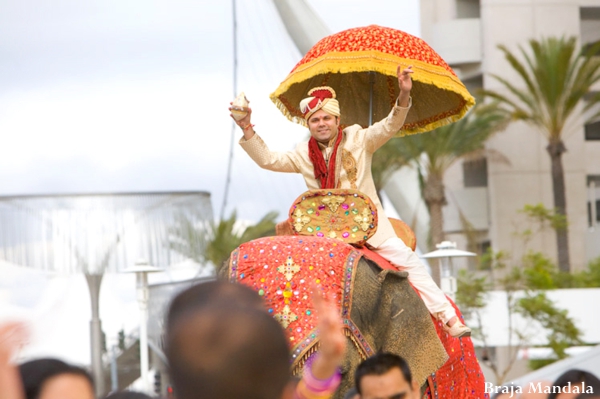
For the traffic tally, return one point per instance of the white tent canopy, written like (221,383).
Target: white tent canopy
(93,233)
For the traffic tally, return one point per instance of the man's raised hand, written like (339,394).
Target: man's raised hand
(245,123)
(13,335)
(404,84)
(331,335)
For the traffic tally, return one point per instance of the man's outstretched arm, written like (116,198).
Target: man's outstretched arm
(256,148)
(245,124)
(379,133)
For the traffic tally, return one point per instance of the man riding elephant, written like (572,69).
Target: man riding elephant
(336,158)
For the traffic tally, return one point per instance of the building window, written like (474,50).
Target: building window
(595,214)
(589,25)
(480,262)
(593,203)
(475,173)
(468,9)
(592,131)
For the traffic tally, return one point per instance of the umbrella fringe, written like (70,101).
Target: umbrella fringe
(282,108)
(434,125)
(440,77)
(405,132)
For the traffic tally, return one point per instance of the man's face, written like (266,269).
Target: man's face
(390,385)
(323,126)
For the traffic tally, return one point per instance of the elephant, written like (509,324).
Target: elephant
(380,309)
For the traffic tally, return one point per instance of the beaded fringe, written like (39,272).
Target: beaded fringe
(301,361)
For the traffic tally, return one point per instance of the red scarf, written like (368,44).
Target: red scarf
(323,173)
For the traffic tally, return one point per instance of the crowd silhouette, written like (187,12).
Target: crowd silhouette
(221,342)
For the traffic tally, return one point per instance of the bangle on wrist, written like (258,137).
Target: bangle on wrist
(247,126)
(317,385)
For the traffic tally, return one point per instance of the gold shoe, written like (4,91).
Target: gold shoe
(458,330)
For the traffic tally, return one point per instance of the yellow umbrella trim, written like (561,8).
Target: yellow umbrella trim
(386,64)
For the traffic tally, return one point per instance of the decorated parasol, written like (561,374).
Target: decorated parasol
(360,65)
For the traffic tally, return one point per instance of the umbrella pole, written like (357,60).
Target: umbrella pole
(371,84)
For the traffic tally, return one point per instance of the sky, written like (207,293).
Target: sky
(121,96)
(102,96)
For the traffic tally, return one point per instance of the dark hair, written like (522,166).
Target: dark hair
(35,373)
(576,376)
(128,395)
(379,364)
(211,292)
(350,393)
(225,346)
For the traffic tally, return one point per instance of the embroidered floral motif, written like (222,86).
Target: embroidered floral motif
(349,164)
(286,317)
(289,268)
(300,219)
(365,219)
(333,202)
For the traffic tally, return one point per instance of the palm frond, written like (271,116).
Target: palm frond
(215,241)
(553,79)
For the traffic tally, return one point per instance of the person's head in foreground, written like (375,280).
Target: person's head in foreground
(385,376)
(574,382)
(224,348)
(54,379)
(210,293)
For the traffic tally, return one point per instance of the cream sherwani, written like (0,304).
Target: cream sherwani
(353,170)
(358,142)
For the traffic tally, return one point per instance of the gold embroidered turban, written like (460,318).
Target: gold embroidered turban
(320,98)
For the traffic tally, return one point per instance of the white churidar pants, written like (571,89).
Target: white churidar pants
(401,256)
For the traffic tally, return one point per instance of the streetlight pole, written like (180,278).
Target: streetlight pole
(94,281)
(446,250)
(141,270)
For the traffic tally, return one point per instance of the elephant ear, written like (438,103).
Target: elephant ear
(342,214)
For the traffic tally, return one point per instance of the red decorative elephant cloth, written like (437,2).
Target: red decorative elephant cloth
(284,270)
(461,375)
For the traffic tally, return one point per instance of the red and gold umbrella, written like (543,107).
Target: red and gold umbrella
(360,64)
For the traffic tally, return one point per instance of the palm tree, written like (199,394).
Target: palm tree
(554,79)
(215,242)
(434,152)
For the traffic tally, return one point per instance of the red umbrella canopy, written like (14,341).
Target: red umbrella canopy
(360,65)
